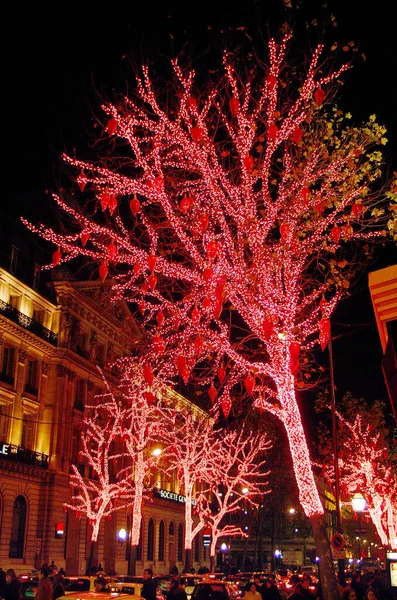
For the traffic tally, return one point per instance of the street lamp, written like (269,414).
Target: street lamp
(122,535)
(359,503)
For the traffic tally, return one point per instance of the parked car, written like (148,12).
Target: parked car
(29,588)
(213,590)
(21,570)
(129,582)
(83,583)
(87,595)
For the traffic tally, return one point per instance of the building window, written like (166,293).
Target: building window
(31,384)
(197,548)
(8,365)
(76,447)
(180,542)
(4,422)
(80,394)
(28,432)
(15,301)
(38,315)
(14,259)
(161,541)
(171,530)
(150,540)
(18,526)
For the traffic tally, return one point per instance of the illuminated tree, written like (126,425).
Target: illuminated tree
(231,218)
(239,481)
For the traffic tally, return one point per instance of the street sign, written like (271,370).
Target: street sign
(338,554)
(360,530)
(337,541)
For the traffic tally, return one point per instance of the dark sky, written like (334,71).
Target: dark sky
(60,52)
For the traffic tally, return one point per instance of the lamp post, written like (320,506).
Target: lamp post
(359,505)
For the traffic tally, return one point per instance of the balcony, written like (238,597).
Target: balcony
(18,454)
(28,323)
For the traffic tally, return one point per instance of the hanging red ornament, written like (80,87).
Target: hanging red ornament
(150,398)
(191,102)
(196,315)
(152,281)
(221,374)
(234,106)
(85,236)
(249,383)
(271,81)
(226,405)
(144,287)
(325,332)
(217,311)
(180,363)
(185,376)
(148,375)
(285,231)
(151,261)
(267,328)
(203,223)
(319,96)
(207,274)
(248,162)
(112,250)
(305,193)
(272,131)
(56,257)
(297,135)
(158,344)
(197,134)
(135,205)
(320,207)
(357,210)
(198,344)
(104,200)
(336,233)
(221,283)
(82,181)
(137,268)
(159,183)
(207,302)
(186,204)
(346,231)
(212,393)
(111,126)
(211,249)
(160,318)
(103,271)
(295,350)
(141,306)
(112,204)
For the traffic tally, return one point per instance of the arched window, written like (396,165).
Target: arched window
(18,527)
(150,540)
(161,541)
(171,530)
(180,543)
(197,548)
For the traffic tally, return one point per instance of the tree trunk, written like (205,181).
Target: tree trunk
(90,559)
(188,559)
(132,560)
(212,563)
(328,580)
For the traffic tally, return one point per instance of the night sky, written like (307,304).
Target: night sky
(62,53)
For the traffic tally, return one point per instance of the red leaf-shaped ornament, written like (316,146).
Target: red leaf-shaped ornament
(112,204)
(159,183)
(320,207)
(198,344)
(85,236)
(148,375)
(160,318)
(234,106)
(82,181)
(272,131)
(152,281)
(295,350)
(104,200)
(319,96)
(207,274)
(357,210)
(103,272)
(135,205)
(217,311)
(137,268)
(212,393)
(267,328)
(248,162)
(112,250)
(141,306)
(221,374)
(212,249)
(111,126)
(151,261)
(185,376)
(203,222)
(180,362)
(297,135)
(226,405)
(336,233)
(196,315)
(150,398)
(305,193)
(186,204)
(325,332)
(271,81)
(191,102)
(197,134)
(249,383)
(158,344)
(285,230)
(56,257)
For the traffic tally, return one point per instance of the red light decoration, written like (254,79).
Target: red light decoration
(325,333)
(221,374)
(135,206)
(234,106)
(336,233)
(271,285)
(56,257)
(112,126)
(319,96)
(212,394)
(151,261)
(103,271)
(85,236)
(249,383)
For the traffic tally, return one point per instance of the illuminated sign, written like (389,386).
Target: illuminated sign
(4,448)
(167,495)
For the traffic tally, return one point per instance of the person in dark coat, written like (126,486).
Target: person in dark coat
(59,589)
(148,590)
(3,582)
(270,590)
(176,592)
(13,590)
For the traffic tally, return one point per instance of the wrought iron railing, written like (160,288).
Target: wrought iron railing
(28,323)
(22,455)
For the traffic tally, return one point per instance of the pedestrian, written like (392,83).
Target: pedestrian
(148,590)
(100,583)
(297,592)
(3,582)
(371,594)
(45,588)
(58,587)
(358,585)
(270,590)
(252,593)
(13,590)
(176,592)
(307,587)
(349,594)
(259,586)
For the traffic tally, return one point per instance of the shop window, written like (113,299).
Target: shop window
(18,527)
(150,541)
(161,541)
